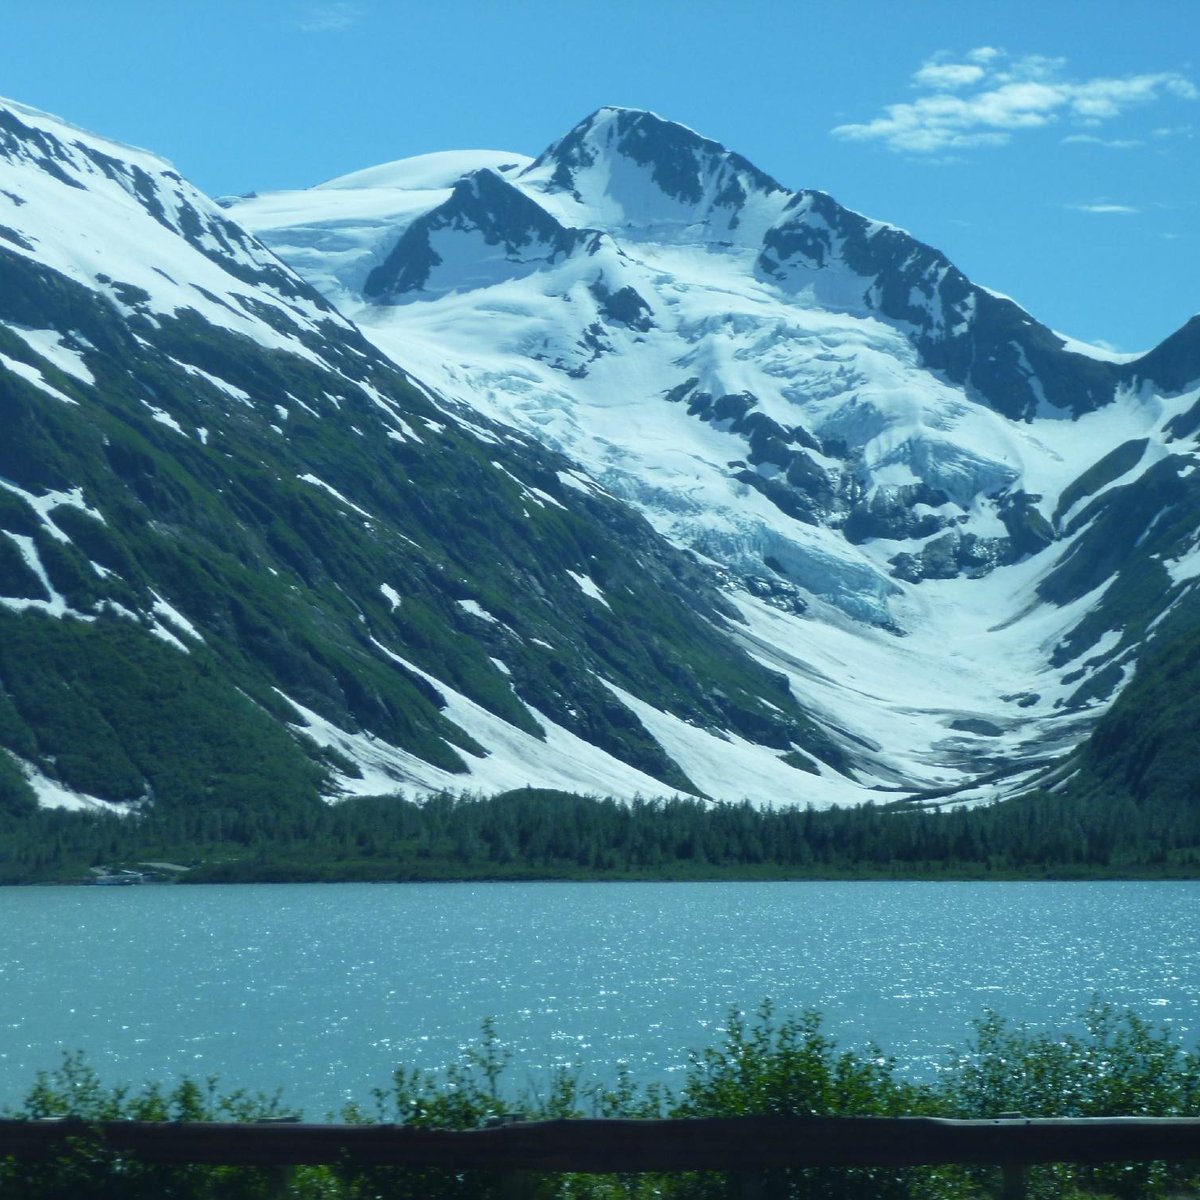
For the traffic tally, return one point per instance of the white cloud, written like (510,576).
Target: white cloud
(1090,139)
(1031,66)
(330,18)
(1103,99)
(1181,131)
(985,99)
(1104,208)
(948,75)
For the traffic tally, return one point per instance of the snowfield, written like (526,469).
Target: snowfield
(886,468)
(939,684)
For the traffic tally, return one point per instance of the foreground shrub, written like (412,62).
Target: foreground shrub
(1120,1066)
(89,1171)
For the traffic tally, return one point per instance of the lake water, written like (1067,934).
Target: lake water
(321,990)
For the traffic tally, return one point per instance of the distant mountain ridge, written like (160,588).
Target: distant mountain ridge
(622,469)
(817,404)
(245,561)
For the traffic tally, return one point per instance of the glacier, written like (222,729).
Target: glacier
(869,449)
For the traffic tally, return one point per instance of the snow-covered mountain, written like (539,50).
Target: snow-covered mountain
(245,560)
(953,530)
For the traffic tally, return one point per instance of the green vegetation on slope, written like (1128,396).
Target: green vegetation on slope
(318,523)
(1143,750)
(126,717)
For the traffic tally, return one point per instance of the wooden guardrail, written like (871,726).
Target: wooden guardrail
(744,1146)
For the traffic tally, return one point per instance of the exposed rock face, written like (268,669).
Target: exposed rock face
(245,560)
(938,518)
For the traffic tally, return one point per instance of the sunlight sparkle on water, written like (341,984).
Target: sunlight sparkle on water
(322,991)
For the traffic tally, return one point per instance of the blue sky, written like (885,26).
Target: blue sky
(1051,149)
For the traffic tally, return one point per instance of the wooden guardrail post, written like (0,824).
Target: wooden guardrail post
(747,1185)
(1014,1181)
(280,1175)
(1014,1177)
(514,1185)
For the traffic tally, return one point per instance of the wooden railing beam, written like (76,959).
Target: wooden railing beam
(735,1144)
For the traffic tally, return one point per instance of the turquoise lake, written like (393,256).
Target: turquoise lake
(320,990)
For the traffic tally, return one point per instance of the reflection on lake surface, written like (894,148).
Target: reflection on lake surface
(321,990)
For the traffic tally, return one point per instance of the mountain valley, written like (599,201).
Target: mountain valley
(620,471)
(920,499)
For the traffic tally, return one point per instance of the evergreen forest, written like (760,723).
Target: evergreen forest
(537,834)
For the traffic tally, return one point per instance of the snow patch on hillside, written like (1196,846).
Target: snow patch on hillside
(715,382)
(32,375)
(588,587)
(515,759)
(52,794)
(79,203)
(49,344)
(727,767)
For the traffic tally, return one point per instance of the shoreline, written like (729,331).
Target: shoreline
(268,874)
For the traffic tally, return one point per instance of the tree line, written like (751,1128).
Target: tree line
(535,833)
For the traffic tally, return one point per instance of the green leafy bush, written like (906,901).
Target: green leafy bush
(1121,1065)
(87,1169)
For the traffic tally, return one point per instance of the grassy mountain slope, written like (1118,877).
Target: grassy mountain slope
(211,533)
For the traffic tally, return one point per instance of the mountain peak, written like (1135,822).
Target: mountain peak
(36,119)
(75,203)
(1174,364)
(633,168)
(521,235)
